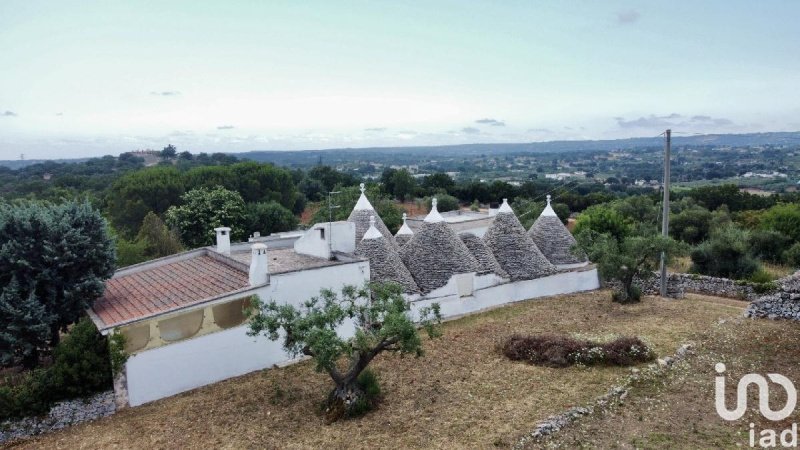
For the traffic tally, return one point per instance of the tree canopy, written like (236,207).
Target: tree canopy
(54,260)
(383,324)
(204,209)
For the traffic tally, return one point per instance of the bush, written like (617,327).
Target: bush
(561,351)
(444,203)
(761,276)
(768,245)
(726,254)
(792,256)
(81,366)
(267,218)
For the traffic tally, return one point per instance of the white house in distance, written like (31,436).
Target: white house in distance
(183,316)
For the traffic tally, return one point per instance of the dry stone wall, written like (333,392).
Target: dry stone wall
(680,283)
(781,304)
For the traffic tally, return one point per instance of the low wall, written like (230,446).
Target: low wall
(481,299)
(782,304)
(680,283)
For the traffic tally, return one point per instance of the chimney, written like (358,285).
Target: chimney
(259,271)
(223,240)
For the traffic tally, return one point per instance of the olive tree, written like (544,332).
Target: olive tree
(382,324)
(628,257)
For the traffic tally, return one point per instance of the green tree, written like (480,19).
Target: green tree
(383,324)
(438,181)
(64,254)
(203,210)
(624,260)
(769,245)
(725,254)
(403,185)
(792,255)
(157,239)
(690,225)
(137,193)
(26,326)
(784,218)
(604,220)
(169,152)
(269,217)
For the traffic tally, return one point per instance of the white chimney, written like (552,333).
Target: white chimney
(259,271)
(223,240)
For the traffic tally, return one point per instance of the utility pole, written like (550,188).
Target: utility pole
(331,207)
(665,211)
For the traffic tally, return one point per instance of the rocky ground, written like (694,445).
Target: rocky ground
(61,415)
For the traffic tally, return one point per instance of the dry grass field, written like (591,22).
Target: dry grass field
(462,394)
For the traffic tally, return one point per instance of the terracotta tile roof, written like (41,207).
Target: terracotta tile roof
(150,291)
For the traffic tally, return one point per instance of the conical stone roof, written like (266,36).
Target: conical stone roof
(404,233)
(385,264)
(360,217)
(435,253)
(554,239)
(482,254)
(513,248)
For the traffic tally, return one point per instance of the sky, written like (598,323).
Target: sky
(88,78)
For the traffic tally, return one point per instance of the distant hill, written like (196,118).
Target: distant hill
(399,154)
(18,164)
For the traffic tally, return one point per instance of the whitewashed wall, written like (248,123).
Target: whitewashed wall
(562,283)
(181,366)
(185,365)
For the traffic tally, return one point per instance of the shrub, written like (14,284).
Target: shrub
(560,351)
(792,256)
(726,254)
(768,245)
(81,366)
(761,276)
(444,203)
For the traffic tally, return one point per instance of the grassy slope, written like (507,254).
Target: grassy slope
(678,412)
(462,394)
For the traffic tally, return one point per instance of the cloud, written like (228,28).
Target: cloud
(628,17)
(165,93)
(226,127)
(672,120)
(492,122)
(59,114)
(650,121)
(539,130)
(470,130)
(8,113)
(375,130)
(711,120)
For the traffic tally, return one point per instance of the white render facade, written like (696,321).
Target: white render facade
(205,340)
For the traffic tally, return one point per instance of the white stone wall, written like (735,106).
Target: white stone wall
(194,362)
(481,299)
